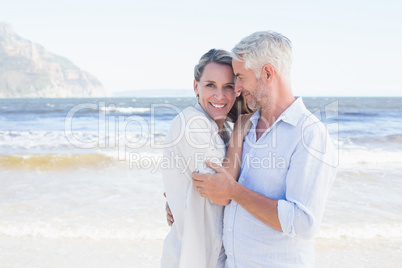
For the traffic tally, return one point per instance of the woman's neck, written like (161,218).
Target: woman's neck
(220,123)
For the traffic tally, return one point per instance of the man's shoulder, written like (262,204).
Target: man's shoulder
(305,120)
(311,130)
(307,127)
(313,136)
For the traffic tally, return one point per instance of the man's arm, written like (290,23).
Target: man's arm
(222,186)
(308,181)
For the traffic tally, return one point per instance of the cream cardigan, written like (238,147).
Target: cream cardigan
(195,239)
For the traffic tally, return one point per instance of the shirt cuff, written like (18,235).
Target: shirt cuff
(286,217)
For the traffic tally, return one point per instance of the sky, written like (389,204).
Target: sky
(340,48)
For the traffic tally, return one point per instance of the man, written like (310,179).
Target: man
(287,168)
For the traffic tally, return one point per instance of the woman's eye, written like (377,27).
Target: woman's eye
(210,85)
(229,87)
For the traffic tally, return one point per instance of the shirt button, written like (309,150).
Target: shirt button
(230,253)
(230,229)
(241,180)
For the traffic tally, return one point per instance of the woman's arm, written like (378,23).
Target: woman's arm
(232,162)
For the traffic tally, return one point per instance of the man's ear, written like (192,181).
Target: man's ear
(267,73)
(195,87)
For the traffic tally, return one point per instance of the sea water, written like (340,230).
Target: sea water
(81,186)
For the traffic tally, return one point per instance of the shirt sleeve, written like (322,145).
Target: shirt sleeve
(188,152)
(311,172)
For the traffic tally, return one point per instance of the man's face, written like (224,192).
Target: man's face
(247,84)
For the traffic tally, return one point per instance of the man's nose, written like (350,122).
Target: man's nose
(238,87)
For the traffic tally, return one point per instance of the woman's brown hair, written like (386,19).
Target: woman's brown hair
(240,107)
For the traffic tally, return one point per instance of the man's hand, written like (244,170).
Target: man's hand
(217,187)
(169,215)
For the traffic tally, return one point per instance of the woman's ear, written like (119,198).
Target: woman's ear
(196,87)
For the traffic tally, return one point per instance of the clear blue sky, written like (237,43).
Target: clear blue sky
(341,48)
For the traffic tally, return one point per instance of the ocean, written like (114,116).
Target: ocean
(81,184)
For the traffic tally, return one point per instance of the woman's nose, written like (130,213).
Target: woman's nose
(219,93)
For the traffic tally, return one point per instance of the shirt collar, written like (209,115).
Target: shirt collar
(291,115)
(199,108)
(254,118)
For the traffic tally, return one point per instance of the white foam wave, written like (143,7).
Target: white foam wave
(15,141)
(57,231)
(60,231)
(362,231)
(360,156)
(125,110)
(33,139)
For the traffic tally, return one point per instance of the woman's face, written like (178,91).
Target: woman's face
(216,90)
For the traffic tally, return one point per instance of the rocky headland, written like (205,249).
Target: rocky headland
(27,70)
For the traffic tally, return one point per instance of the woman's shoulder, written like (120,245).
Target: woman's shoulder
(191,117)
(191,122)
(193,111)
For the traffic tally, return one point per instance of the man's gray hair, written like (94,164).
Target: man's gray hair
(262,48)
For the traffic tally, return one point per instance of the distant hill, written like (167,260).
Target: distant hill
(28,70)
(156,93)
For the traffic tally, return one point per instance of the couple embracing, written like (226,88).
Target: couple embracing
(258,199)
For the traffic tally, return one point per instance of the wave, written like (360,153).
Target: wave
(362,231)
(84,231)
(117,231)
(39,141)
(126,110)
(146,160)
(389,139)
(361,114)
(53,161)
(363,156)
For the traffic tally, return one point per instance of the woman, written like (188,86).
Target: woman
(199,133)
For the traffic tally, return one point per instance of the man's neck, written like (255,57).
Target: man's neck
(275,105)
(278,102)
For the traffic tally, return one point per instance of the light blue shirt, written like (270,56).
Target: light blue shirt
(294,162)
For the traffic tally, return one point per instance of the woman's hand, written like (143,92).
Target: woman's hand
(169,215)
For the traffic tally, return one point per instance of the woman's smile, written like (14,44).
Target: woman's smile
(218,106)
